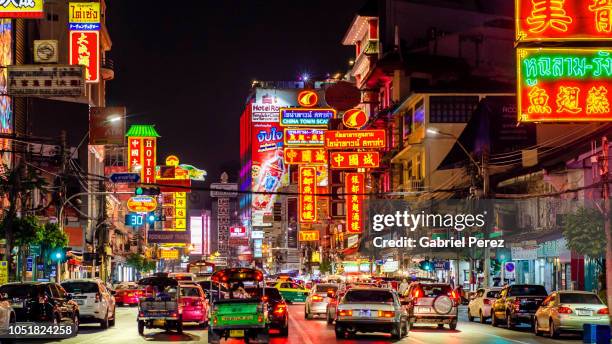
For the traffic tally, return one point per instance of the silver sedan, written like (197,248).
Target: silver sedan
(317,300)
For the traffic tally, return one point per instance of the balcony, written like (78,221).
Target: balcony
(107,69)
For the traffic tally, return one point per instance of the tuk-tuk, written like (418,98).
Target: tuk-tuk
(240,315)
(158,307)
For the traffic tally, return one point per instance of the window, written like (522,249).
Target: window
(286,285)
(493,294)
(480,292)
(53,290)
(357,296)
(419,115)
(80,287)
(452,109)
(527,290)
(324,288)
(580,298)
(407,127)
(190,292)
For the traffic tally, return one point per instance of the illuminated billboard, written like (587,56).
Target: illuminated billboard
(304,137)
(307,207)
(355,189)
(309,117)
(30,9)
(348,160)
(305,156)
(84,16)
(346,139)
(563,20)
(85,51)
(142,151)
(196,230)
(564,85)
(6,107)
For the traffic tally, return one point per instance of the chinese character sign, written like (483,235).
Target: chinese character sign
(307,198)
(134,153)
(304,137)
(563,20)
(180,211)
(564,85)
(85,51)
(347,139)
(305,156)
(142,153)
(340,160)
(355,189)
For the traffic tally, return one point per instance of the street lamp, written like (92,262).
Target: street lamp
(434,131)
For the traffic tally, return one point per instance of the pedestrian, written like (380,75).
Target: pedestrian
(403,287)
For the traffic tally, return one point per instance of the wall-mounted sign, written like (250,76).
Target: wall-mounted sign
(306,117)
(304,137)
(224,190)
(46,81)
(305,156)
(257,234)
(141,204)
(307,207)
(237,232)
(344,160)
(355,188)
(84,16)
(142,152)
(354,118)
(564,85)
(309,235)
(563,20)
(169,254)
(107,125)
(30,9)
(85,51)
(308,98)
(168,237)
(342,96)
(346,139)
(46,51)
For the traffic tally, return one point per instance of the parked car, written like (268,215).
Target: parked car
(41,302)
(292,291)
(432,303)
(569,311)
(517,304)
(480,303)
(317,300)
(371,310)
(192,301)
(278,313)
(96,303)
(7,313)
(127,293)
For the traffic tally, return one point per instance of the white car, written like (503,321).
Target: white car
(7,314)
(480,304)
(317,300)
(96,303)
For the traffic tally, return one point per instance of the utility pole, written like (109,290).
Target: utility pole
(607,225)
(485,196)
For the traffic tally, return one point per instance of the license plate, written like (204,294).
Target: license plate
(423,310)
(159,322)
(365,313)
(244,317)
(236,333)
(584,312)
(17,305)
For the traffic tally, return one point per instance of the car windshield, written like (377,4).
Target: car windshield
(579,298)
(527,290)
(368,296)
(435,290)
(190,292)
(324,288)
(80,287)
(271,293)
(493,294)
(18,290)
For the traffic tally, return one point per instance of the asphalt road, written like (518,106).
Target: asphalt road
(309,332)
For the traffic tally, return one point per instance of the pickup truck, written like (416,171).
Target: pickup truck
(517,304)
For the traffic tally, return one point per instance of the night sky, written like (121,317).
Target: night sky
(187,69)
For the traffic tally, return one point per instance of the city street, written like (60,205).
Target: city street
(310,332)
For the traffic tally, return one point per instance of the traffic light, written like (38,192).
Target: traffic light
(151,218)
(59,255)
(426,265)
(147,191)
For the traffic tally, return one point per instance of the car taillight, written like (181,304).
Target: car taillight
(517,305)
(317,298)
(386,314)
(486,301)
(603,311)
(417,293)
(264,299)
(280,309)
(130,294)
(141,314)
(345,313)
(564,310)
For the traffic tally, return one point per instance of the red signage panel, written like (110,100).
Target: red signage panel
(307,198)
(149,160)
(355,189)
(346,139)
(563,20)
(343,160)
(305,156)
(85,51)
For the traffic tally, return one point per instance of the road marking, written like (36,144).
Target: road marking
(508,339)
(304,336)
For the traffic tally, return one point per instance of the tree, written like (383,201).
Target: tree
(325,266)
(584,232)
(140,263)
(53,237)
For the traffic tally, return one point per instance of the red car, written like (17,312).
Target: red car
(127,294)
(193,304)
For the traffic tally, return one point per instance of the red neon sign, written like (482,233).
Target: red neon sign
(148,160)
(354,118)
(85,50)
(564,85)
(307,198)
(305,156)
(347,139)
(561,20)
(308,98)
(355,188)
(342,160)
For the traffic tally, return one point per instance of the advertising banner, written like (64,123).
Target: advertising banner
(196,228)
(564,85)
(307,197)
(168,237)
(355,188)
(351,160)
(107,125)
(84,16)
(565,20)
(268,102)
(85,51)
(346,139)
(223,190)
(306,117)
(30,9)
(309,236)
(46,81)
(6,106)
(304,137)
(305,156)
(149,160)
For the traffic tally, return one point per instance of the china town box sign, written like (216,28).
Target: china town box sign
(306,117)
(564,85)
(346,139)
(563,20)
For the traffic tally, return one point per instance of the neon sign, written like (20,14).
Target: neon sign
(563,20)
(355,188)
(305,156)
(346,139)
(85,51)
(307,98)
(306,117)
(342,160)
(304,137)
(307,197)
(564,85)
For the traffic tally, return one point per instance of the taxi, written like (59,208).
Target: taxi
(291,291)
